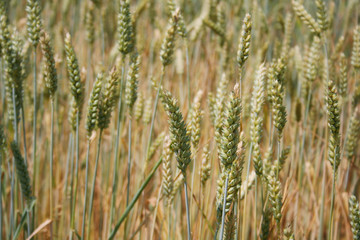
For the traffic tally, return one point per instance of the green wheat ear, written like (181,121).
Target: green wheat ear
(275,197)
(108,99)
(355,53)
(354,134)
(89,24)
(265,224)
(180,141)
(168,44)
(76,86)
(354,215)
(125,28)
(256,121)
(205,170)
(93,106)
(305,17)
(230,136)
(139,107)
(168,181)
(132,82)
(288,234)
(22,172)
(34,23)
(333,111)
(322,16)
(244,43)
(50,74)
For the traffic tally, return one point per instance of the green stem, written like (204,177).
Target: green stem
(86,189)
(1,211)
(69,154)
(34,121)
(116,155)
(72,221)
(51,161)
(154,115)
(133,201)
(12,191)
(224,209)
(187,210)
(25,159)
(129,164)
(188,73)
(24,133)
(322,201)
(102,38)
(128,173)
(332,198)
(245,197)
(255,209)
(307,108)
(153,120)
(93,183)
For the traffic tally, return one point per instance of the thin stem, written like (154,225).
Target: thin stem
(322,201)
(245,197)
(1,211)
(116,154)
(86,189)
(93,184)
(332,198)
(51,157)
(25,159)
(304,136)
(51,161)
(34,120)
(129,164)
(72,221)
(224,209)
(69,154)
(12,191)
(128,174)
(133,201)
(24,133)
(102,38)
(187,210)
(188,73)
(153,116)
(193,176)
(255,209)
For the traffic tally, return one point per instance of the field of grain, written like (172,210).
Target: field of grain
(179,119)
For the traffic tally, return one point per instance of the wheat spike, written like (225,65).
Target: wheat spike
(180,142)
(33,23)
(50,74)
(244,42)
(93,106)
(168,181)
(22,172)
(305,17)
(108,99)
(355,53)
(354,215)
(125,28)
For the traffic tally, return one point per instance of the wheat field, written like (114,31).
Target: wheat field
(179,119)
